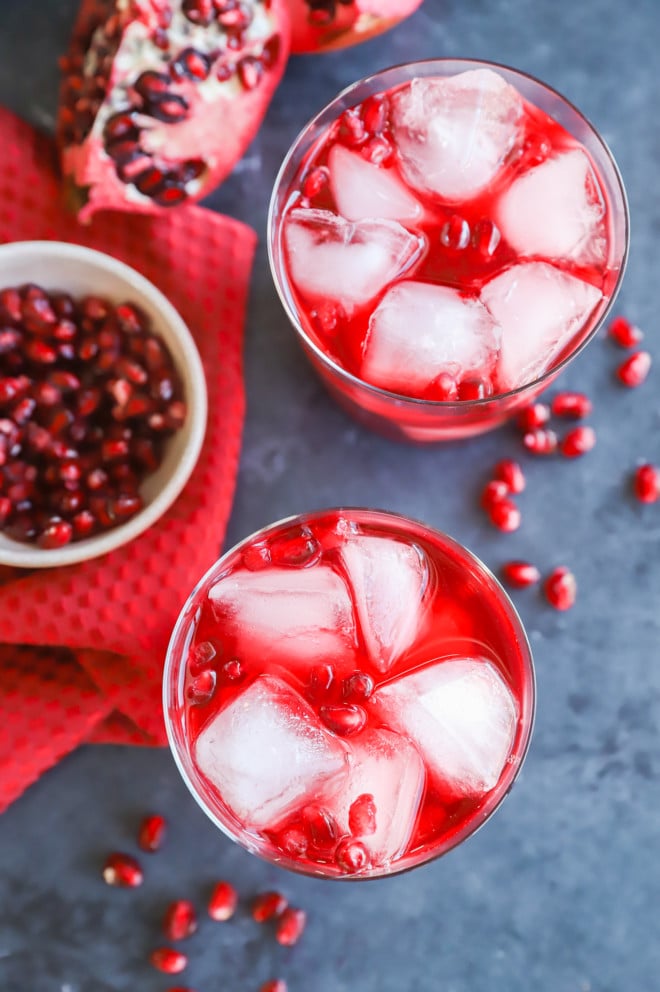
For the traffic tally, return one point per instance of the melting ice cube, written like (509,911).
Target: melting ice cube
(266,751)
(388,580)
(453,134)
(540,309)
(555,210)
(420,330)
(295,615)
(351,263)
(460,714)
(388,768)
(363,190)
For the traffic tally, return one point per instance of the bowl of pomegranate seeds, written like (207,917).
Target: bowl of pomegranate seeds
(102,404)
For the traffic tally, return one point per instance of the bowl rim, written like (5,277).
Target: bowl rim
(189,364)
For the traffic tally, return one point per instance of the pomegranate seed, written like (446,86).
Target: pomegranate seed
(374,113)
(494,492)
(250,70)
(5,507)
(274,985)
(533,417)
(362,816)
(625,334)
(505,515)
(345,720)
(576,405)
(223,902)
(298,548)
(202,687)
(56,534)
(646,483)
(474,389)
(352,856)
(455,233)
(201,657)
(486,237)
(319,681)
(233,670)
(578,442)
(167,960)
(122,870)
(290,926)
(268,906)
(634,370)
(315,182)
(510,472)
(180,920)
(541,441)
(520,573)
(358,686)
(320,826)
(152,833)
(294,842)
(378,150)
(560,588)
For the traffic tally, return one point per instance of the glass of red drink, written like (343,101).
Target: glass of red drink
(349,693)
(445,237)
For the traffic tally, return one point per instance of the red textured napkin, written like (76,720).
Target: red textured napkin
(82,646)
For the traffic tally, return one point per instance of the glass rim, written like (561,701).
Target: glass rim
(527,704)
(401,399)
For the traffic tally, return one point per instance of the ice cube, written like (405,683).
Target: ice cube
(540,310)
(420,330)
(332,258)
(555,210)
(389,769)
(389,580)
(461,715)
(294,615)
(362,190)
(453,134)
(266,752)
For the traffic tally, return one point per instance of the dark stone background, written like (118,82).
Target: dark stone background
(560,892)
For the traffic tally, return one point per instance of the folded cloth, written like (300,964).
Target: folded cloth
(82,646)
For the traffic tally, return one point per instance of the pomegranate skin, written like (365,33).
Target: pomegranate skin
(323,25)
(155,108)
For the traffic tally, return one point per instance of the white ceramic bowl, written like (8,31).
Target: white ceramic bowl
(81,271)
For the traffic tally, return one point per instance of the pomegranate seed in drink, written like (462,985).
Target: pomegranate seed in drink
(268,906)
(532,417)
(578,442)
(560,588)
(180,920)
(357,687)
(345,720)
(352,856)
(223,902)
(576,405)
(152,832)
(290,926)
(505,515)
(362,816)
(646,483)
(520,573)
(168,960)
(494,492)
(624,333)
(634,370)
(542,441)
(511,473)
(122,870)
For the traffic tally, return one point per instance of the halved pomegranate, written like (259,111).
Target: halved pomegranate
(161,98)
(320,25)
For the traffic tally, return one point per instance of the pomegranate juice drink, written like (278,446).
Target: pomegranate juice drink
(445,236)
(349,693)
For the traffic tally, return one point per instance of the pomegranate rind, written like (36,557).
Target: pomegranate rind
(351,23)
(223,116)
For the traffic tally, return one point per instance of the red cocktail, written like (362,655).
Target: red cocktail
(349,693)
(445,236)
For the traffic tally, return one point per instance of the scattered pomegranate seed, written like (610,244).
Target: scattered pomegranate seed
(180,920)
(560,588)
(577,405)
(274,985)
(505,515)
(494,492)
(578,442)
(533,416)
(625,334)
(646,483)
(223,902)
(510,472)
(520,573)
(151,833)
(634,370)
(541,441)
(268,906)
(169,961)
(290,926)
(123,871)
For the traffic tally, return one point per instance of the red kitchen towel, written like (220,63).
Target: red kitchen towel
(82,646)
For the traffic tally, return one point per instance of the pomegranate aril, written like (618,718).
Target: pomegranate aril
(473,389)
(362,816)
(5,507)
(374,113)
(560,588)
(294,842)
(352,856)
(274,985)
(320,826)
(297,549)
(201,657)
(532,417)
(290,926)
(634,370)
(486,237)
(351,128)
(190,64)
(151,832)
(505,515)
(646,483)
(455,233)
(169,961)
(202,687)
(268,906)
(541,441)
(223,902)
(84,523)
(358,686)
(233,670)
(578,442)
(316,181)
(624,333)
(494,492)
(346,720)
(250,70)
(56,534)
(510,472)
(122,870)
(180,920)
(520,574)
(576,405)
